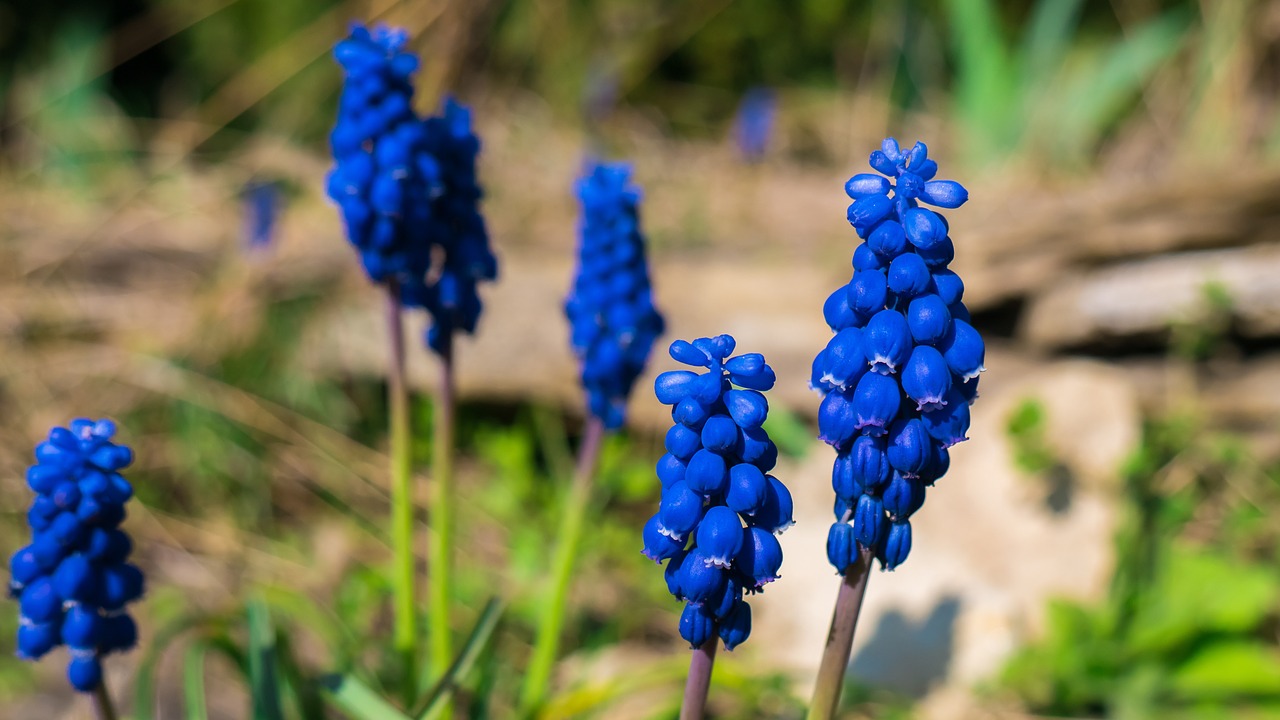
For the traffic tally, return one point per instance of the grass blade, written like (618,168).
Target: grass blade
(438,700)
(357,700)
(193,695)
(985,81)
(263,682)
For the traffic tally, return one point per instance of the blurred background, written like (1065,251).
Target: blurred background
(1104,546)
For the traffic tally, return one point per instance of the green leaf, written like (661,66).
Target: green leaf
(357,700)
(985,83)
(438,699)
(1045,42)
(264,685)
(792,436)
(193,695)
(1229,668)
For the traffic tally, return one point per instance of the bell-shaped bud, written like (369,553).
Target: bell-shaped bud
(697,625)
(775,513)
(928,319)
(76,580)
(671,469)
(719,536)
(735,627)
(876,402)
(864,184)
(926,378)
(24,567)
(883,163)
(680,510)
(837,418)
(817,372)
(949,424)
(964,350)
(908,275)
(84,672)
(119,633)
(36,640)
(707,473)
(836,310)
(755,447)
(868,210)
(944,193)
(43,478)
(674,385)
(869,462)
(968,389)
(908,447)
(888,240)
(729,597)
(903,496)
(748,408)
(691,413)
(40,602)
(864,258)
(81,628)
(672,574)
(121,584)
(682,442)
(66,529)
(657,545)
(844,479)
(719,434)
(845,360)
(939,463)
(939,255)
(760,558)
(886,343)
(683,351)
(868,520)
(948,286)
(842,509)
(842,546)
(924,227)
(708,386)
(700,579)
(748,489)
(751,371)
(867,292)
(897,545)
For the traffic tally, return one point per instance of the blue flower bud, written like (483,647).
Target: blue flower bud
(719,434)
(42,478)
(944,193)
(84,672)
(775,514)
(707,473)
(760,558)
(707,388)
(842,546)
(908,275)
(867,292)
(897,546)
(747,489)
(888,240)
(869,462)
(868,520)
(691,413)
(672,469)
(748,408)
(948,286)
(47,550)
(36,640)
(25,567)
(939,463)
(683,351)
(817,372)
(729,598)
(903,496)
(720,535)
(960,312)
(697,626)
(121,584)
(924,228)
(842,509)
(66,495)
(119,633)
(876,401)
(908,447)
(868,210)
(658,546)
(926,378)
(883,163)
(40,602)
(939,255)
(864,258)
(864,184)
(681,442)
(672,574)
(928,319)
(673,386)
(949,424)
(66,530)
(837,418)
(968,389)
(836,310)
(736,626)
(964,350)
(700,579)
(81,628)
(755,447)
(886,342)
(844,480)
(845,360)
(680,510)
(750,371)
(76,580)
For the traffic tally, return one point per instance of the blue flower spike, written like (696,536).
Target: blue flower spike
(717,524)
(73,583)
(900,372)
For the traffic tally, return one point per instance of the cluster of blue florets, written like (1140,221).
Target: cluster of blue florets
(902,369)
(73,581)
(610,309)
(720,510)
(407,187)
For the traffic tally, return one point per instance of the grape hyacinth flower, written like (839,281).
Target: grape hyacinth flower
(261,211)
(73,582)
(753,124)
(720,511)
(897,378)
(614,325)
(610,309)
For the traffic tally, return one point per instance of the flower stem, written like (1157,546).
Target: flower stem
(406,633)
(442,513)
(102,707)
(835,658)
(572,516)
(699,682)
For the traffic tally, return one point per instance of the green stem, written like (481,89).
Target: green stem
(406,632)
(699,682)
(442,514)
(835,658)
(102,707)
(572,516)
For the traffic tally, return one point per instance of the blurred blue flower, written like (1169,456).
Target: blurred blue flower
(720,511)
(754,121)
(610,307)
(261,209)
(73,581)
(901,371)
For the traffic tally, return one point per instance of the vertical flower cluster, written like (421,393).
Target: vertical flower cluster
(720,511)
(384,177)
(902,369)
(73,581)
(610,308)
(458,228)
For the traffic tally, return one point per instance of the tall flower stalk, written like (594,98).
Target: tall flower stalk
(614,325)
(720,512)
(73,583)
(897,380)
